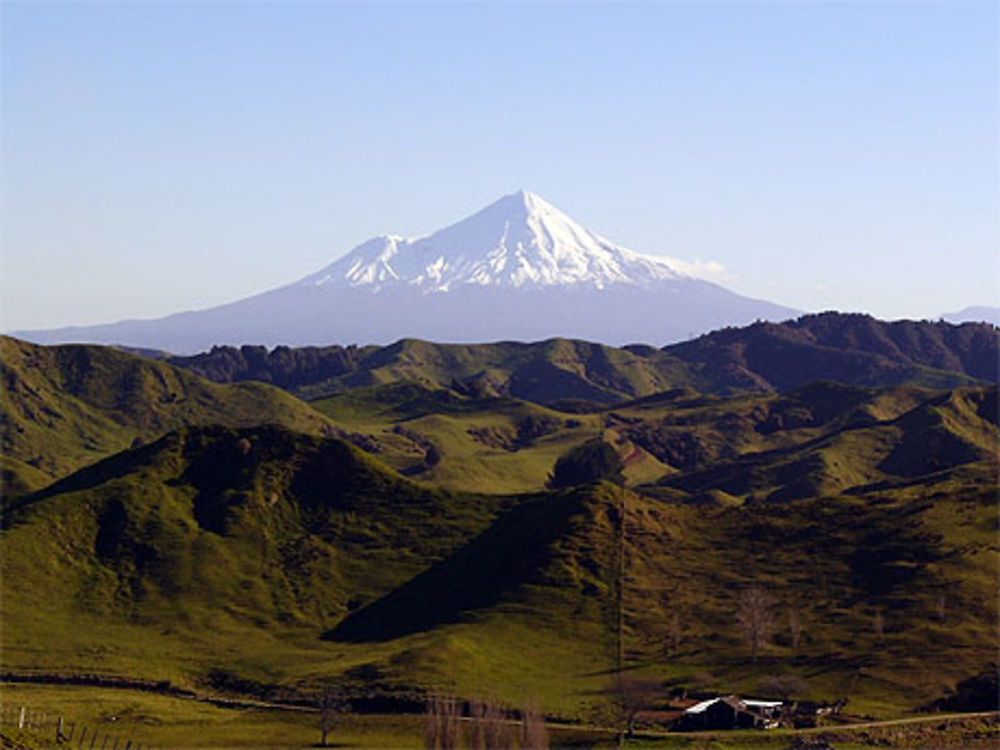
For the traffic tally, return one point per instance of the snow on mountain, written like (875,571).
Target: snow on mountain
(520,269)
(520,240)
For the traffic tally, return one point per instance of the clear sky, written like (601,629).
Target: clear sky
(830,155)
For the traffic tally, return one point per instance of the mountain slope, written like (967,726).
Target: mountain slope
(519,269)
(519,241)
(975,314)
(233,551)
(222,552)
(824,439)
(68,406)
(851,349)
(848,348)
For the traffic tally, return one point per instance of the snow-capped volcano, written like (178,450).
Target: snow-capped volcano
(520,269)
(520,240)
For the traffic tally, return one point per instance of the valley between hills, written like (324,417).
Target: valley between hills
(381,524)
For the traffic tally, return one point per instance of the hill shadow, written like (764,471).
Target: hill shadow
(508,554)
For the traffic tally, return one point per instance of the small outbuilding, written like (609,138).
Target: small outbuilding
(731,712)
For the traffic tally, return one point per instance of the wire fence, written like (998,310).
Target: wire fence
(73,735)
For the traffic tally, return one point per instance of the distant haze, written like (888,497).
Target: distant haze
(975,314)
(160,157)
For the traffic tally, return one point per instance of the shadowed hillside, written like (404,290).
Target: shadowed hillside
(282,560)
(941,433)
(847,348)
(525,546)
(852,349)
(66,406)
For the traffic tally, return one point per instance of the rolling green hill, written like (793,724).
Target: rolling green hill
(247,544)
(942,433)
(262,559)
(486,444)
(848,348)
(64,407)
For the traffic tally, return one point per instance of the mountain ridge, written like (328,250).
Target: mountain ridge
(853,349)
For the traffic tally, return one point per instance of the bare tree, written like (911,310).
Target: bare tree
(795,627)
(477,710)
(702,681)
(878,626)
(534,735)
(941,605)
(635,694)
(498,732)
(675,633)
(329,704)
(442,730)
(755,614)
(784,686)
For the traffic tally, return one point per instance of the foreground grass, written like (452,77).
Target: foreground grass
(167,722)
(163,721)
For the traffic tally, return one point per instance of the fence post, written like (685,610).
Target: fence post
(83,736)
(93,739)
(59,729)
(21,718)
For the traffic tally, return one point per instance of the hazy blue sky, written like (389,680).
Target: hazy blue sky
(167,157)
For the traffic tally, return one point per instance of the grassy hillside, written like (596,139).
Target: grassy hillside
(259,559)
(848,348)
(64,407)
(851,349)
(849,452)
(487,444)
(816,439)
(215,551)
(271,560)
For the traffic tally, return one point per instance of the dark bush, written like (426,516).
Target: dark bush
(590,462)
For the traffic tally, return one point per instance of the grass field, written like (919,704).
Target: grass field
(281,560)
(157,721)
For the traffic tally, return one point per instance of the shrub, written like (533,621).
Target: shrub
(590,462)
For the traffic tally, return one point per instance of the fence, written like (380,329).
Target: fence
(67,734)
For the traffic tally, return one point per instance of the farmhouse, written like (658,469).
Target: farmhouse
(731,712)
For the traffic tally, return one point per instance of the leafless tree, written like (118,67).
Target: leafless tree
(442,730)
(941,605)
(477,710)
(534,735)
(498,732)
(878,626)
(755,615)
(675,633)
(795,626)
(635,694)
(329,704)
(702,681)
(784,686)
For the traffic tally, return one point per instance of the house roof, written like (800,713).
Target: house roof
(697,708)
(733,701)
(761,704)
